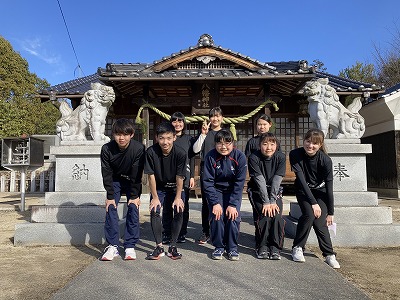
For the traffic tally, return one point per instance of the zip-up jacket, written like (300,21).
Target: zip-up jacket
(226,174)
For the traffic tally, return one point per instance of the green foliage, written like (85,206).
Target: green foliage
(360,72)
(20,111)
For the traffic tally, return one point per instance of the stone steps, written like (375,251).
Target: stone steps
(78,218)
(74,198)
(37,234)
(354,235)
(354,215)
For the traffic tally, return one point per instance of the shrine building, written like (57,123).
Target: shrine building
(205,75)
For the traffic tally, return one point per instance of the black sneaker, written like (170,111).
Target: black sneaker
(275,256)
(156,254)
(173,253)
(203,239)
(262,253)
(166,240)
(181,239)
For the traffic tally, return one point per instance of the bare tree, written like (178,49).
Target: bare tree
(387,61)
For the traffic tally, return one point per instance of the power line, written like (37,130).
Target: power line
(72,44)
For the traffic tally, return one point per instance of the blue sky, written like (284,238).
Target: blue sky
(338,33)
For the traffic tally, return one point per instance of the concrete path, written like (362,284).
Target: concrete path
(197,276)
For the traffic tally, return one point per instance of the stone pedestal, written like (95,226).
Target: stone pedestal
(74,213)
(360,221)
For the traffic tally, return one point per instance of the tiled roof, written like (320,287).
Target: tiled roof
(160,70)
(72,87)
(388,92)
(81,85)
(341,84)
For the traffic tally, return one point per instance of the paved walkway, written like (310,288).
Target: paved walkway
(197,276)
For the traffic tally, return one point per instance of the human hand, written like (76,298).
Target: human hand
(191,183)
(329,220)
(179,204)
(205,127)
(265,209)
(135,201)
(273,210)
(317,210)
(232,213)
(110,202)
(154,203)
(217,211)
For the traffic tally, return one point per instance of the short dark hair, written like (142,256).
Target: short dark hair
(223,135)
(123,126)
(264,117)
(215,111)
(268,137)
(165,127)
(177,116)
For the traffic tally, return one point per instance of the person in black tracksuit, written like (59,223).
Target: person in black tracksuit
(185,142)
(122,161)
(264,123)
(224,176)
(267,168)
(166,167)
(203,144)
(314,193)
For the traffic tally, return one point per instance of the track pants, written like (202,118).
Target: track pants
(269,231)
(224,232)
(307,220)
(132,227)
(155,217)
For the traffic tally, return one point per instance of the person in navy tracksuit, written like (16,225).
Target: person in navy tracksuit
(224,176)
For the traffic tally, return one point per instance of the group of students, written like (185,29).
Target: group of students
(169,165)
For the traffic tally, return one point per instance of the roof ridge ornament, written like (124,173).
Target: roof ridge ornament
(205,40)
(206,59)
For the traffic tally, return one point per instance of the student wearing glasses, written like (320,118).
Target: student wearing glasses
(204,143)
(225,169)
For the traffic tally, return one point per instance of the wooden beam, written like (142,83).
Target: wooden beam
(164,65)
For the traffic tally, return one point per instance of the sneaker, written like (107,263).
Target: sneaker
(181,239)
(332,262)
(217,254)
(233,255)
(275,256)
(156,254)
(204,238)
(166,240)
(110,252)
(173,253)
(262,253)
(130,254)
(297,254)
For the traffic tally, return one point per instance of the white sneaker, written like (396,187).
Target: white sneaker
(297,254)
(332,262)
(110,252)
(130,254)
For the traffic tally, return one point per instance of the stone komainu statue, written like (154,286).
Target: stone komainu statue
(326,111)
(89,116)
